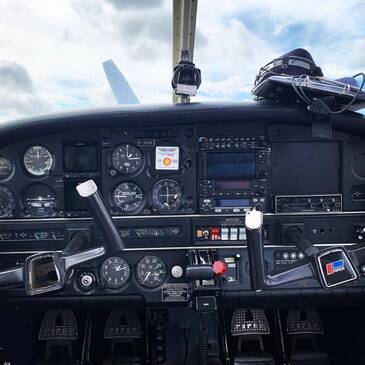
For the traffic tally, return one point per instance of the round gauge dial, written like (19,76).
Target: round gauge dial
(7,202)
(151,271)
(6,167)
(127,159)
(38,161)
(39,200)
(128,197)
(167,195)
(115,272)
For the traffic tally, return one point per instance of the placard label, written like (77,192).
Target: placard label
(167,158)
(175,293)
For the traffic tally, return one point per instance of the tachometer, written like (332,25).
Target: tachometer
(151,271)
(7,202)
(38,161)
(6,167)
(127,159)
(167,195)
(128,197)
(39,200)
(115,272)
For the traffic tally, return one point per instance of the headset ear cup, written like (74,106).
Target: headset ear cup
(294,63)
(317,71)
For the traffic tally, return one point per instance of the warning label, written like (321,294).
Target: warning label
(167,158)
(175,293)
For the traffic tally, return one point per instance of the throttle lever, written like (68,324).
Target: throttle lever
(255,246)
(89,190)
(294,235)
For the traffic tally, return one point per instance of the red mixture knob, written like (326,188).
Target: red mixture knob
(219,268)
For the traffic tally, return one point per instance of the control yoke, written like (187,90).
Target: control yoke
(332,266)
(47,271)
(89,190)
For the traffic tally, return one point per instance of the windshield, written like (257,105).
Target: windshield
(52,52)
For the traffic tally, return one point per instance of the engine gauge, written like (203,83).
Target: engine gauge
(38,161)
(115,272)
(128,197)
(7,202)
(167,195)
(39,200)
(127,159)
(6,167)
(151,271)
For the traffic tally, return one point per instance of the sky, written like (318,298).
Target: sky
(51,52)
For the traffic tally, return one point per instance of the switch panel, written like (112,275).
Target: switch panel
(216,233)
(224,234)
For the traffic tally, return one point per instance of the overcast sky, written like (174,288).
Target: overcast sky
(51,51)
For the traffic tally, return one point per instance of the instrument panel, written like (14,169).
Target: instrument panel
(185,170)
(176,188)
(137,173)
(182,170)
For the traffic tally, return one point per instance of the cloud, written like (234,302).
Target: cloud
(358,54)
(15,77)
(56,49)
(135,4)
(17,92)
(88,8)
(230,60)
(156,27)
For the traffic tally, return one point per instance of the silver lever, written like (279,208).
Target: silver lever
(89,190)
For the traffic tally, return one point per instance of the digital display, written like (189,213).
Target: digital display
(228,203)
(239,164)
(232,185)
(306,168)
(80,158)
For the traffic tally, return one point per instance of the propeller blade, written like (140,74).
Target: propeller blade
(122,91)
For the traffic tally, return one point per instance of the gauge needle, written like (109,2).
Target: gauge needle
(147,276)
(120,268)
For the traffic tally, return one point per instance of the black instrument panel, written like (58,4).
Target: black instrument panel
(137,172)
(175,187)
(182,170)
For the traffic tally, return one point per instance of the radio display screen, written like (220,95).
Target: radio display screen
(228,203)
(80,158)
(231,164)
(232,185)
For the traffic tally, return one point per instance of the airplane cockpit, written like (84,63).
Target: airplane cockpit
(188,233)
